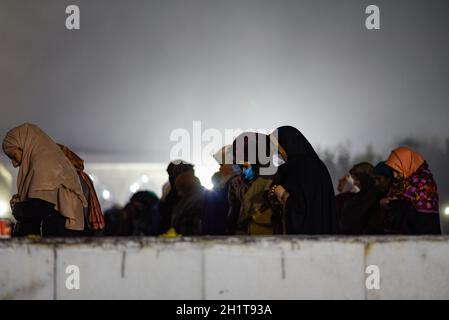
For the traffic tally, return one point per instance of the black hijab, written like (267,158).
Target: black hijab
(310,208)
(248,146)
(362,213)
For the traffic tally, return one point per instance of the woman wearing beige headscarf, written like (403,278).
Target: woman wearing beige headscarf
(49,199)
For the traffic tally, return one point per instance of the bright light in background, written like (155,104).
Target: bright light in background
(144,178)
(204,173)
(106,194)
(118,177)
(4,208)
(134,187)
(446,211)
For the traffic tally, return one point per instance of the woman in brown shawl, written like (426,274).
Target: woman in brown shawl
(49,199)
(94,215)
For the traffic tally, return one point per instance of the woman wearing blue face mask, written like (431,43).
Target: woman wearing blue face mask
(248,174)
(249,189)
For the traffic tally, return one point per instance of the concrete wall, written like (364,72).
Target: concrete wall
(226,268)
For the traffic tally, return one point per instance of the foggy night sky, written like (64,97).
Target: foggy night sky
(138,69)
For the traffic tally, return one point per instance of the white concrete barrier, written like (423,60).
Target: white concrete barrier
(226,268)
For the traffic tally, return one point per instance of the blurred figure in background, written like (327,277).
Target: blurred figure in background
(216,180)
(143,213)
(170,196)
(114,221)
(139,217)
(412,203)
(303,186)
(250,189)
(215,219)
(362,213)
(93,216)
(347,190)
(383,175)
(50,200)
(186,215)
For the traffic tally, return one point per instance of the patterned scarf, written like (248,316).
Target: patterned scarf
(95,215)
(420,190)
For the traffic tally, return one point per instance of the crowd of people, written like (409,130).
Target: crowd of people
(56,198)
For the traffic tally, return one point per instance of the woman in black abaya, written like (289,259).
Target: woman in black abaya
(303,186)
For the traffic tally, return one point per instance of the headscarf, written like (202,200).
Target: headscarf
(293,143)
(94,215)
(382,170)
(418,186)
(177,167)
(186,215)
(364,173)
(45,173)
(252,148)
(307,180)
(360,214)
(405,161)
(171,198)
(224,155)
(186,183)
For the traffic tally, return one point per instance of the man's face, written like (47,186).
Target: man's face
(382,183)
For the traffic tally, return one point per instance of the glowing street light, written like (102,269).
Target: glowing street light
(134,187)
(446,211)
(106,194)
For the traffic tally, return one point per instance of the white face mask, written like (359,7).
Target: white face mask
(350,186)
(278,160)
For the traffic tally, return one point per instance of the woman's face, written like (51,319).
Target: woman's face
(397,175)
(357,182)
(16,157)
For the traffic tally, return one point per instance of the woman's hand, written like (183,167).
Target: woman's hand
(15,198)
(279,192)
(237,181)
(385,202)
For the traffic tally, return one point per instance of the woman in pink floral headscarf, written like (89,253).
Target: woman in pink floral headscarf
(413,196)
